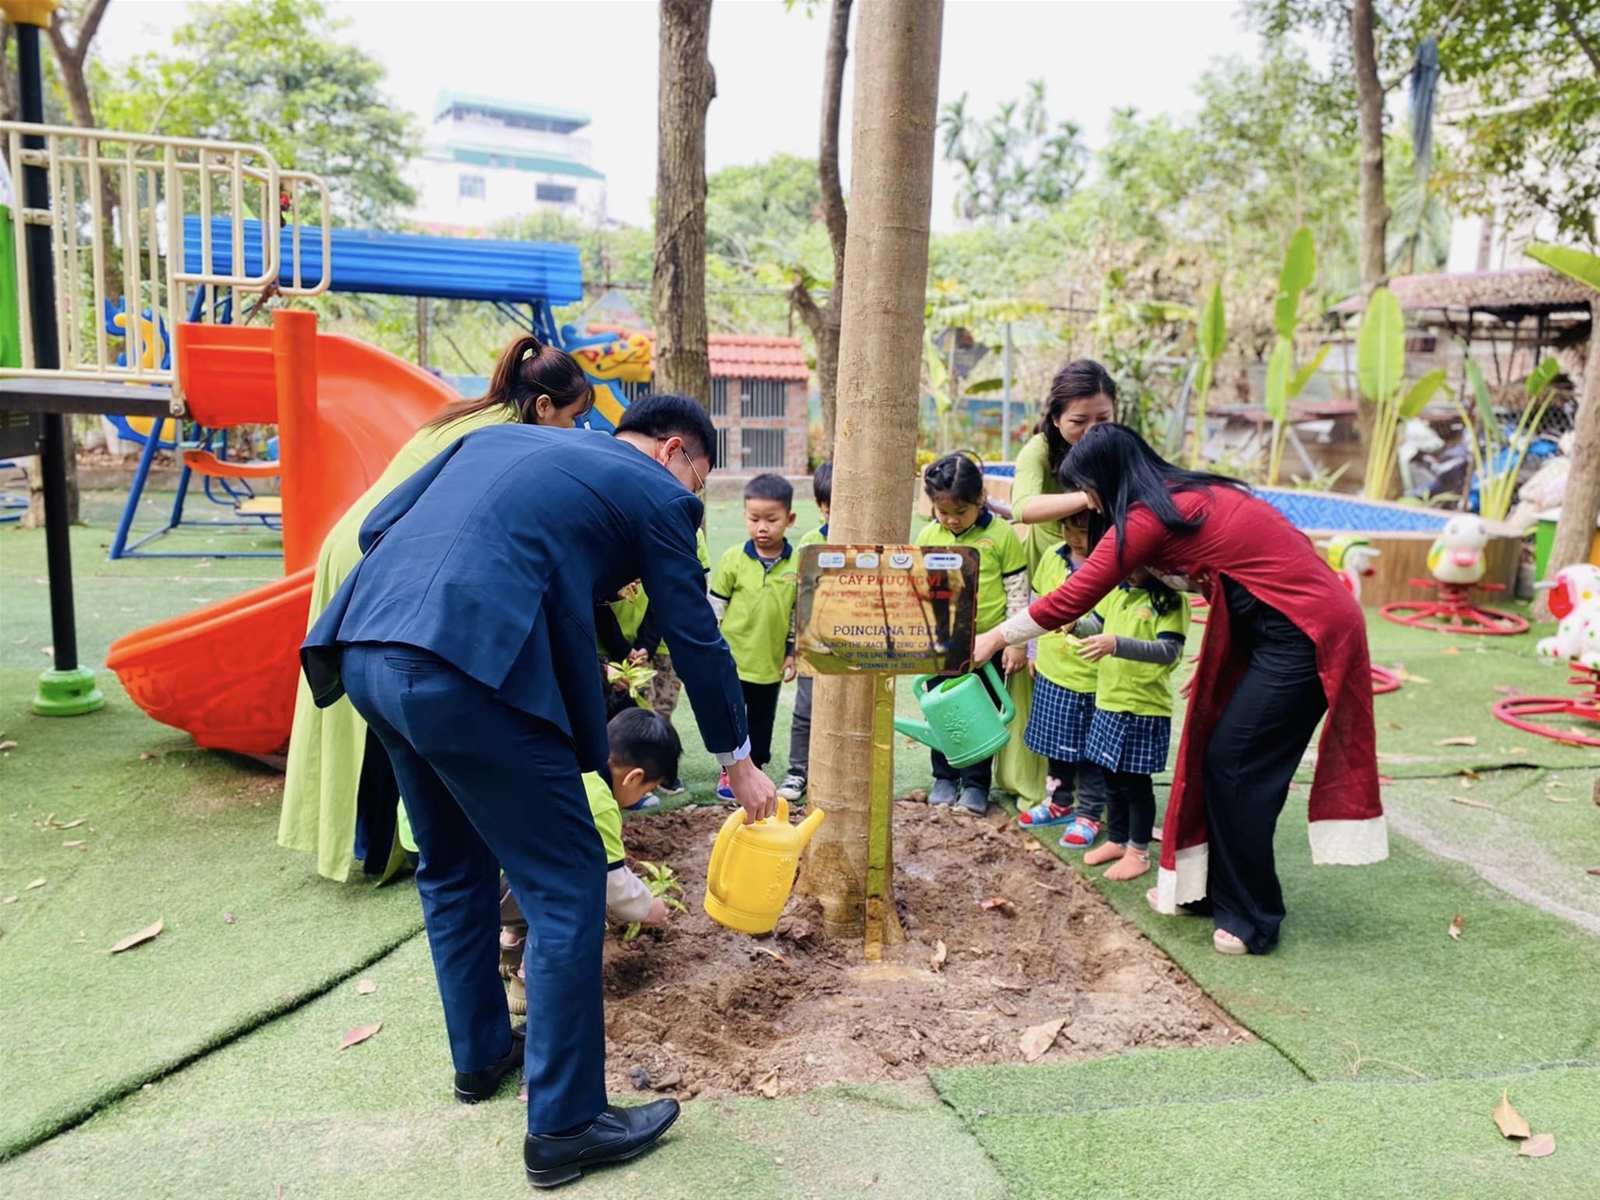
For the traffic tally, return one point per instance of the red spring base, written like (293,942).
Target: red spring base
(1515,710)
(1452,612)
(1384,681)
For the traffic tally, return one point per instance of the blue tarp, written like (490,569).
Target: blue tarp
(408,264)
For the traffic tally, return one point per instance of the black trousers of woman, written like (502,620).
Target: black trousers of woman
(1255,748)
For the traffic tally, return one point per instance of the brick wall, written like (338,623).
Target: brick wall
(762,432)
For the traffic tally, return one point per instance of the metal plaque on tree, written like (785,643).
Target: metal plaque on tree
(887,610)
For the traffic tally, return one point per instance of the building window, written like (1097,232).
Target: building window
(764,398)
(719,397)
(556,193)
(763,449)
(472,187)
(722,448)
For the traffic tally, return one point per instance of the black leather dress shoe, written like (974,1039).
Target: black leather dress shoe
(617,1134)
(473,1086)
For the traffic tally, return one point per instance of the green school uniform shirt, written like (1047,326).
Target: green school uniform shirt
(1035,478)
(815,537)
(1144,689)
(630,612)
(1057,659)
(760,609)
(1000,553)
(607,816)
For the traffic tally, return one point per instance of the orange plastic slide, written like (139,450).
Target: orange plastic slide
(226,673)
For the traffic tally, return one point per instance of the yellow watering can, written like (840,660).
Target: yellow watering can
(963,723)
(752,869)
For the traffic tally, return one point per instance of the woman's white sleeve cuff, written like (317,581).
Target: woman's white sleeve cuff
(1021,628)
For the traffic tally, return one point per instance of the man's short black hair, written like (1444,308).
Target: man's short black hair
(669,414)
(770,487)
(822,483)
(643,738)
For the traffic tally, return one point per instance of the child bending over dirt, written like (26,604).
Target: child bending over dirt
(644,752)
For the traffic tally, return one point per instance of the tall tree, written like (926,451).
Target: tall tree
(880,354)
(72,54)
(1016,164)
(1369,106)
(276,74)
(823,320)
(687,87)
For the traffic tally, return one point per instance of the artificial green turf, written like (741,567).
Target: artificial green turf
(184,836)
(284,1107)
(1428,1141)
(1366,970)
(1132,1080)
(1536,841)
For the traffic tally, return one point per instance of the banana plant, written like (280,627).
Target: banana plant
(1497,457)
(1284,382)
(1211,339)
(1381,370)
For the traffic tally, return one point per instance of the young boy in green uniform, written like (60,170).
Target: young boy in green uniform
(753,593)
(644,751)
(793,788)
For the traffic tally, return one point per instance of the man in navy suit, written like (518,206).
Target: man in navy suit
(466,639)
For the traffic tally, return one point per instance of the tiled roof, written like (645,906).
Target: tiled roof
(1532,289)
(743,356)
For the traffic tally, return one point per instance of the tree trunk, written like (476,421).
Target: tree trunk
(683,363)
(880,362)
(8,83)
(833,211)
(1372,252)
(1369,105)
(1580,503)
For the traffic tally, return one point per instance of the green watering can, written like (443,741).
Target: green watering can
(963,723)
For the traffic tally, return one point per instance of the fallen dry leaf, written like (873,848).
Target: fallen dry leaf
(9,900)
(768,1086)
(80,843)
(366,987)
(1469,774)
(1511,1122)
(1452,650)
(1471,803)
(227,918)
(1000,903)
(940,953)
(1540,1145)
(1506,689)
(773,954)
(1457,741)
(5,746)
(1455,926)
(918,796)
(1592,871)
(146,756)
(72,824)
(138,939)
(47,651)
(1384,780)
(1517,750)
(359,1034)
(37,883)
(1039,1038)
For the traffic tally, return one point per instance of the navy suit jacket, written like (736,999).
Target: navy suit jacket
(493,557)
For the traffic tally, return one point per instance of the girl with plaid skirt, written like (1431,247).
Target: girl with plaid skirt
(1144,627)
(1063,707)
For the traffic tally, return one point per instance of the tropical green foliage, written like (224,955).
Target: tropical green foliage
(1574,264)
(1381,369)
(1497,455)
(1284,382)
(274,73)
(1210,340)
(1015,165)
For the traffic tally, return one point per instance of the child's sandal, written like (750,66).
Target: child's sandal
(511,958)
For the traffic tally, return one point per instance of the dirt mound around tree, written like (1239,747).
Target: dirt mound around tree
(696,1009)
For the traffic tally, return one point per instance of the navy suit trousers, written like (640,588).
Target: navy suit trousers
(489,787)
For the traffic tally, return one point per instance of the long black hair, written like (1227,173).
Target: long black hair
(1118,465)
(1080,379)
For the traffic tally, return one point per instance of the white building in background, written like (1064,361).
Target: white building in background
(487,160)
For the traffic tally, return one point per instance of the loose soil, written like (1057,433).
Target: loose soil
(696,1009)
